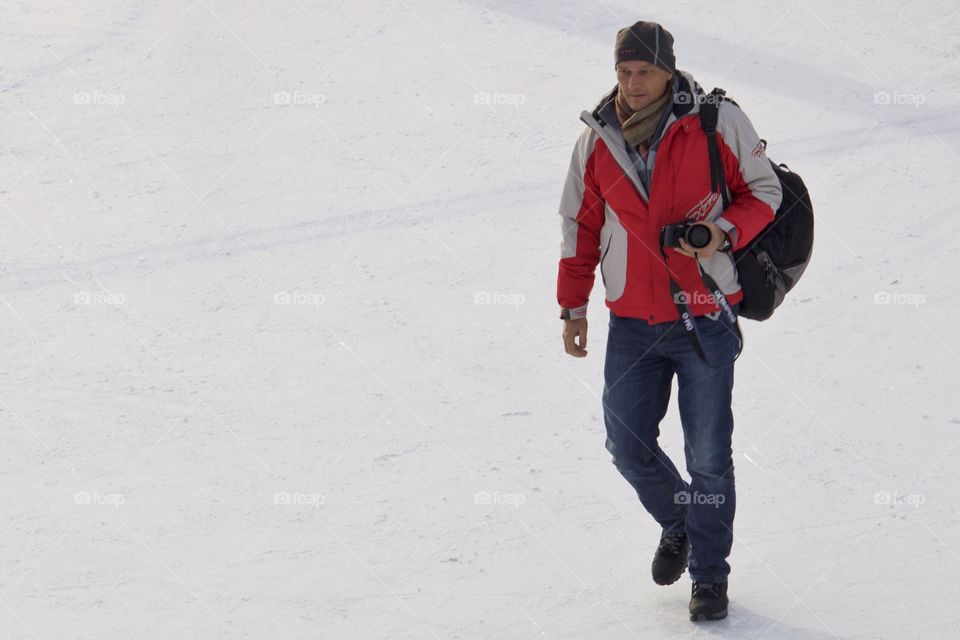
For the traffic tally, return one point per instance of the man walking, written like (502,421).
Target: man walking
(642,164)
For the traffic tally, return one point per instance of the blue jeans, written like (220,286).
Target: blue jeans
(638,375)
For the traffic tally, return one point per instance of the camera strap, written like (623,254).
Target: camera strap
(727,315)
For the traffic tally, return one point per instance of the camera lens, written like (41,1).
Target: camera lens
(698,236)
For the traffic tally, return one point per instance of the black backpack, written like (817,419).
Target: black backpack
(773,262)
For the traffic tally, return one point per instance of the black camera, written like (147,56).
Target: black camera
(697,235)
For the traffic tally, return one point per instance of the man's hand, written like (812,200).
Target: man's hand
(572,329)
(716,239)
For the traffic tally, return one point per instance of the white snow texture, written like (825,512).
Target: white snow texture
(281,354)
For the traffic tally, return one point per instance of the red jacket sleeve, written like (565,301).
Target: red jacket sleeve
(581,216)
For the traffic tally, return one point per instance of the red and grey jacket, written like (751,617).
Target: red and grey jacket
(608,218)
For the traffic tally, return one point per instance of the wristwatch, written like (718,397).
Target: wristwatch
(573,314)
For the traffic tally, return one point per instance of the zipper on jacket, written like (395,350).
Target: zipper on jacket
(602,258)
(619,153)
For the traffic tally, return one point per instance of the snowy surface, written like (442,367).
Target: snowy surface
(280,348)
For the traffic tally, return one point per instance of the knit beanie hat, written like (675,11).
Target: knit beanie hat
(646,41)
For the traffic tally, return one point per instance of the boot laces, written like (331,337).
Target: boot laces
(672,543)
(709,589)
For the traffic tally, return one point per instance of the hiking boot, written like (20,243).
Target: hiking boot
(708,601)
(670,560)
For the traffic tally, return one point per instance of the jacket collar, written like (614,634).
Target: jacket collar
(685,102)
(686,92)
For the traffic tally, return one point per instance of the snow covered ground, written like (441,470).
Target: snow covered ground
(279,337)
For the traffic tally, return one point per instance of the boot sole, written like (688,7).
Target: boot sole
(708,617)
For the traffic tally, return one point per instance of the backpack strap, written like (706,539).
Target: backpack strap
(709,113)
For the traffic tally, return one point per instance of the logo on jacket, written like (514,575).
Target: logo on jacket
(759,149)
(700,210)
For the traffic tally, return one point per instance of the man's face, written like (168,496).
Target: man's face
(641,82)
